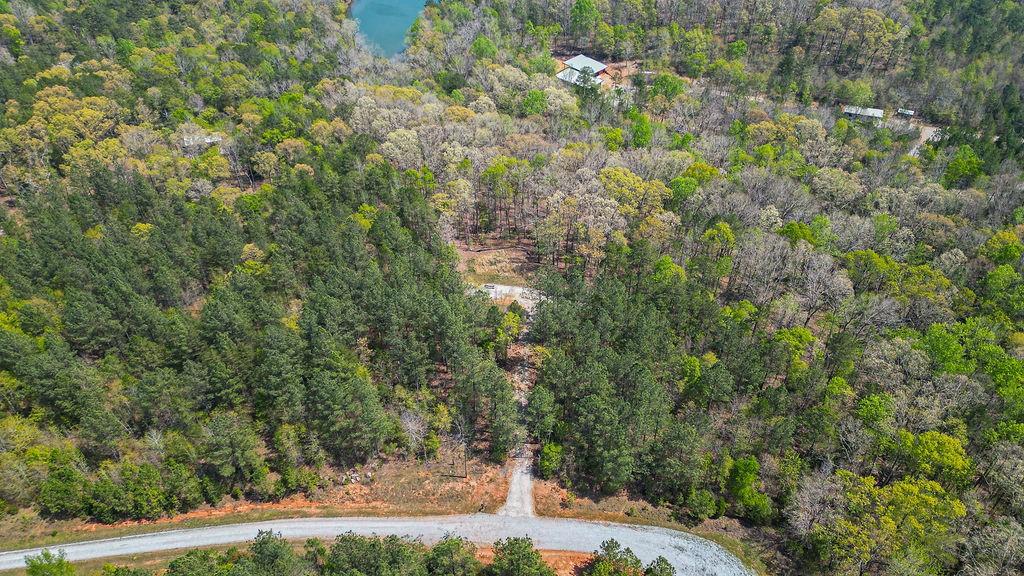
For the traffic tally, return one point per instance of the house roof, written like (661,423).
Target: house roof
(858,111)
(573,77)
(579,62)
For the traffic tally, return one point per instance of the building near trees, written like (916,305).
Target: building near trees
(872,113)
(579,62)
(580,68)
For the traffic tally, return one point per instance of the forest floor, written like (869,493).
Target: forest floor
(397,488)
(748,544)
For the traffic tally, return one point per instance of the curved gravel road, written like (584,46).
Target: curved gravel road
(689,554)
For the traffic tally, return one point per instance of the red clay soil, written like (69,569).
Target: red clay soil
(399,487)
(562,562)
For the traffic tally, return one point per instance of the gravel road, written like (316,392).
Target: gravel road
(692,556)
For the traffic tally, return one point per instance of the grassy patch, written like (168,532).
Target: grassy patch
(495,265)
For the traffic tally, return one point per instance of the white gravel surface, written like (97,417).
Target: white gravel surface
(527,297)
(519,501)
(689,554)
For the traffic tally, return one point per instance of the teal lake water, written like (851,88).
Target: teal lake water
(385,22)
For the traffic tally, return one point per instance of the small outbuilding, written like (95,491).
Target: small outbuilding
(572,72)
(872,113)
(905,112)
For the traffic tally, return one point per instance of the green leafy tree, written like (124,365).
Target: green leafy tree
(659,567)
(1004,247)
(583,19)
(107,501)
(280,393)
(911,519)
(642,130)
(946,351)
(63,493)
(47,563)
(742,484)
(602,444)
(233,450)
(483,47)
(540,413)
(963,168)
(195,563)
(271,555)
(453,557)
(143,489)
(346,409)
(550,460)
(351,554)
(856,92)
(938,457)
(533,102)
(614,560)
(517,557)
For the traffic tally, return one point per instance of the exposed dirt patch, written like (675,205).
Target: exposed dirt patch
(927,132)
(495,261)
(436,488)
(620,73)
(9,204)
(523,358)
(562,562)
(728,526)
(503,302)
(551,499)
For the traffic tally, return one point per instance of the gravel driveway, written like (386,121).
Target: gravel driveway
(520,487)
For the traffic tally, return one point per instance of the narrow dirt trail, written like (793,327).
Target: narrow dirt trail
(520,487)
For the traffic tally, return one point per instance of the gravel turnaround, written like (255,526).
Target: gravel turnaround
(690,554)
(527,297)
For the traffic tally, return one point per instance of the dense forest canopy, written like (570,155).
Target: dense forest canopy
(179,323)
(226,261)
